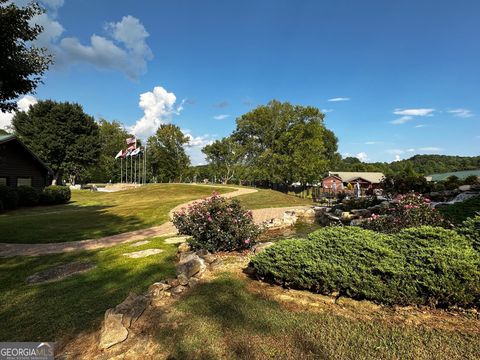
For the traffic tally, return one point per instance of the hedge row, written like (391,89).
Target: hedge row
(11,198)
(422,266)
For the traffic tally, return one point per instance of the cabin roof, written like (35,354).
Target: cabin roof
(347,176)
(7,138)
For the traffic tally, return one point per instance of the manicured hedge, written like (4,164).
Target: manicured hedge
(27,196)
(55,194)
(406,268)
(8,197)
(470,228)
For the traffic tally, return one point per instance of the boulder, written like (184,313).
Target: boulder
(131,308)
(362,213)
(157,289)
(465,188)
(209,258)
(191,265)
(177,289)
(346,216)
(289,218)
(113,330)
(192,282)
(182,279)
(184,247)
(309,213)
(261,247)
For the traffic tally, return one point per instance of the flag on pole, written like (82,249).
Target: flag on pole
(131,148)
(136,152)
(131,141)
(120,154)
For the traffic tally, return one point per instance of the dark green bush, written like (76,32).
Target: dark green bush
(424,266)
(27,196)
(55,194)
(461,211)
(9,197)
(470,228)
(442,268)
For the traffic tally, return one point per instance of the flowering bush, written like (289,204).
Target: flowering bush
(217,224)
(409,210)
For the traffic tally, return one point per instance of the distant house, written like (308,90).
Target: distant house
(462,175)
(365,179)
(20,166)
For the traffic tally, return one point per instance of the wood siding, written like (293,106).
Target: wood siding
(16,162)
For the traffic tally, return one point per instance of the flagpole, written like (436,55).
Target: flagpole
(121,170)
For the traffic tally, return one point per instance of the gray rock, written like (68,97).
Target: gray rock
(131,308)
(113,330)
(261,247)
(209,258)
(184,247)
(177,289)
(362,212)
(182,279)
(190,266)
(143,253)
(465,188)
(157,288)
(192,282)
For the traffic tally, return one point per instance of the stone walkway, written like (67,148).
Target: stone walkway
(167,229)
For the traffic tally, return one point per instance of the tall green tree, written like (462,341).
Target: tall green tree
(112,137)
(21,64)
(62,135)
(224,157)
(167,158)
(283,143)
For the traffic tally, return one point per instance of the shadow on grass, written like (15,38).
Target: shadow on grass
(58,310)
(65,224)
(223,320)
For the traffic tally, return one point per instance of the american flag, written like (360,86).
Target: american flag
(131,141)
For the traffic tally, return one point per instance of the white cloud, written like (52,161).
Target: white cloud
(126,51)
(362,156)
(158,107)
(221,117)
(401,120)
(430,149)
(124,48)
(411,150)
(326,111)
(397,158)
(23,105)
(195,145)
(373,142)
(420,125)
(339,99)
(414,112)
(462,113)
(394,151)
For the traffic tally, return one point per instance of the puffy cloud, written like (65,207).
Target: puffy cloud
(420,125)
(221,117)
(339,99)
(362,156)
(126,51)
(158,107)
(414,112)
(401,120)
(23,105)
(462,113)
(195,146)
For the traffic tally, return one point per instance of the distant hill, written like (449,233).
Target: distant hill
(422,164)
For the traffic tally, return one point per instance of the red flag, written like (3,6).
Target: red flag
(131,141)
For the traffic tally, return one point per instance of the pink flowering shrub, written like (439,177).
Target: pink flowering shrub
(217,224)
(409,210)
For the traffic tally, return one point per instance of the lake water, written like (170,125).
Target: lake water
(300,230)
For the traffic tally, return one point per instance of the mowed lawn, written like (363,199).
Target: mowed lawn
(96,214)
(57,310)
(225,319)
(265,198)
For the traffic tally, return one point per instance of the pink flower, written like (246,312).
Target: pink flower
(209,219)
(247,241)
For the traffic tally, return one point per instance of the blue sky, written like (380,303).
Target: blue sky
(405,74)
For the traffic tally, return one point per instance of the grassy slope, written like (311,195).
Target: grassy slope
(95,214)
(224,320)
(270,198)
(49,311)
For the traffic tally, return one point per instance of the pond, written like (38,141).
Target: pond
(299,230)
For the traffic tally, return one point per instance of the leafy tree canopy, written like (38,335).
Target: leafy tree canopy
(167,158)
(61,134)
(21,64)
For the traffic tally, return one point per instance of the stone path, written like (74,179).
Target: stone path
(10,250)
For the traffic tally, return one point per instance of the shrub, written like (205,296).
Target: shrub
(349,260)
(461,211)
(442,268)
(422,266)
(27,196)
(217,224)
(360,203)
(470,228)
(9,197)
(410,210)
(55,194)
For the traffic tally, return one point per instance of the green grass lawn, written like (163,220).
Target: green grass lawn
(57,310)
(269,198)
(224,320)
(96,214)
